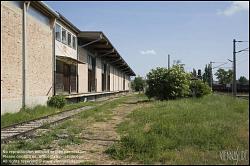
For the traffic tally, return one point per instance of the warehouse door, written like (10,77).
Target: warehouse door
(123,81)
(66,78)
(91,74)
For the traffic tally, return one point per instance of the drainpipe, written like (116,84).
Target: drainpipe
(77,76)
(53,57)
(24,66)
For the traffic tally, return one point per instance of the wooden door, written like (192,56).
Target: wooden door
(66,79)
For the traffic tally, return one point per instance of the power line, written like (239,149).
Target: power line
(245,49)
(220,65)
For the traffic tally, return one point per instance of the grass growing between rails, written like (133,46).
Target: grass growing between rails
(186,131)
(71,129)
(37,112)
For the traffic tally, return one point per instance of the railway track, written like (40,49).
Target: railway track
(16,130)
(241,96)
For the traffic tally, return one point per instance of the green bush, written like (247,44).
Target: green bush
(199,88)
(138,84)
(163,83)
(57,101)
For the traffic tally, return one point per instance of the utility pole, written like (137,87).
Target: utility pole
(168,61)
(234,65)
(234,70)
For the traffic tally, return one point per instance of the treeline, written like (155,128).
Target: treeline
(163,84)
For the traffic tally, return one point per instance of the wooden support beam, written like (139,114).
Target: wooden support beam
(116,61)
(108,53)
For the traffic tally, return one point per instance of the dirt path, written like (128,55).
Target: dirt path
(98,136)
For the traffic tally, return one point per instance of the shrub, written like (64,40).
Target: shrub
(57,101)
(168,83)
(199,88)
(138,84)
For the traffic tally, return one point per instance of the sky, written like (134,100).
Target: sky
(144,33)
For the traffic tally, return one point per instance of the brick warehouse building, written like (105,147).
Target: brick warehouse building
(44,54)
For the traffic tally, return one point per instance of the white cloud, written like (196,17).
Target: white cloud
(236,6)
(148,52)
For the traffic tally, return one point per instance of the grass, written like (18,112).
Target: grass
(37,112)
(87,163)
(185,131)
(71,127)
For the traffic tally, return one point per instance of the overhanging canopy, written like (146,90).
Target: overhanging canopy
(68,60)
(98,42)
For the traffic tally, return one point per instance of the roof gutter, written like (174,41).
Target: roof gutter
(68,23)
(49,10)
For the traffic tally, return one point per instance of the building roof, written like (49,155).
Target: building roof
(97,41)
(103,46)
(68,23)
(44,8)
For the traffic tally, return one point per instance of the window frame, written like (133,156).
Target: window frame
(74,42)
(60,32)
(69,38)
(66,36)
(73,38)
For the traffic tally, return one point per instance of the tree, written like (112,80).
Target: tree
(138,84)
(206,77)
(224,77)
(199,74)
(194,73)
(166,83)
(199,88)
(243,80)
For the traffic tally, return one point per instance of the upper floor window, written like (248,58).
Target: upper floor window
(58,32)
(69,40)
(64,38)
(74,42)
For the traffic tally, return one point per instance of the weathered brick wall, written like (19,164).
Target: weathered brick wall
(39,61)
(11,57)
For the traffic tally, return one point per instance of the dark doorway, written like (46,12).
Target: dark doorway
(108,82)
(66,78)
(104,78)
(123,81)
(91,74)
(72,80)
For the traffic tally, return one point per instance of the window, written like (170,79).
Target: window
(58,32)
(69,40)
(74,42)
(64,39)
